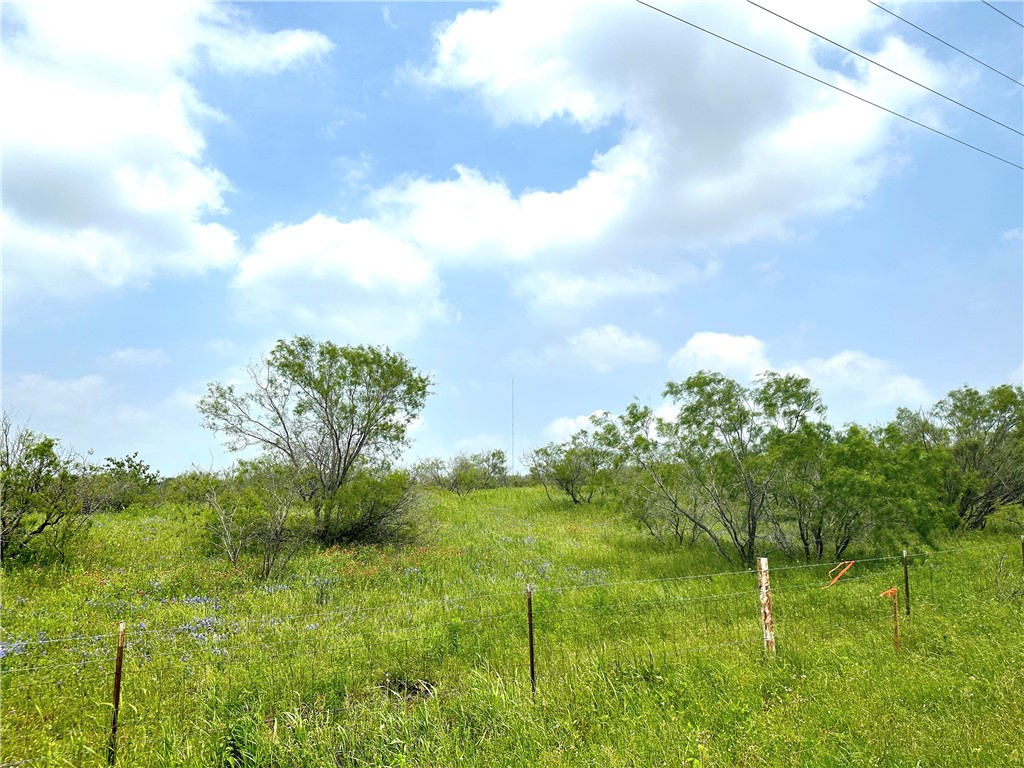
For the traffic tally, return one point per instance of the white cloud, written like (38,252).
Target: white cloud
(93,413)
(474,219)
(138,358)
(607,346)
(555,293)
(873,384)
(854,385)
(716,147)
(1017,375)
(742,357)
(255,51)
(561,429)
(104,175)
(1014,234)
(340,277)
(601,348)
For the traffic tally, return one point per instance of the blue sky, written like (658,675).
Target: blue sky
(588,198)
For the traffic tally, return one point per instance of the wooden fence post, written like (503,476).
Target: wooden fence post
(112,746)
(529,622)
(765,592)
(906,580)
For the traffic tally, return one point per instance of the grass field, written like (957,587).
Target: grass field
(646,654)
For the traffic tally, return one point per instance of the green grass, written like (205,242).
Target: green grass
(418,656)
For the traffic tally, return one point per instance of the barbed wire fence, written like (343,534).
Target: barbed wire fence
(58,693)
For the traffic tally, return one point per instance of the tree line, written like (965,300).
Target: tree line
(737,466)
(744,467)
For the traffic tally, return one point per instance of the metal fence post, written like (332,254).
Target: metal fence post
(112,746)
(529,622)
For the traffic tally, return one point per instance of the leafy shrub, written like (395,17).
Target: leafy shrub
(44,495)
(372,508)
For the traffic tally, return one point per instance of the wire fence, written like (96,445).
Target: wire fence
(57,692)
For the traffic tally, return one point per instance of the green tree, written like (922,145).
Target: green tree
(464,473)
(709,467)
(838,487)
(984,433)
(121,482)
(251,510)
(980,437)
(331,412)
(578,467)
(44,498)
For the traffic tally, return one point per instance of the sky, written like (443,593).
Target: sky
(551,207)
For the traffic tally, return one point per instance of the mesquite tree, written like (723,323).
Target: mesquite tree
(331,412)
(709,468)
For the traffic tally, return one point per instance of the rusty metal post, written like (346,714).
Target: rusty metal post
(906,580)
(529,622)
(765,593)
(112,746)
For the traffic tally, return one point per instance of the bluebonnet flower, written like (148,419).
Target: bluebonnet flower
(198,628)
(13,648)
(594,576)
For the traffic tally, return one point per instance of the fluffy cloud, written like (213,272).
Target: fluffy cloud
(555,293)
(561,429)
(348,278)
(855,385)
(104,177)
(717,147)
(742,357)
(132,357)
(853,376)
(93,412)
(608,346)
(601,348)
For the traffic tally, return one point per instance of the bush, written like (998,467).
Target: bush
(252,509)
(372,508)
(578,467)
(464,473)
(119,483)
(44,495)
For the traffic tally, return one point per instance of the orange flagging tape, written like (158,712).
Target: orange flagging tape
(889,593)
(846,565)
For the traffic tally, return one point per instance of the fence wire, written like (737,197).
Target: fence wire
(60,689)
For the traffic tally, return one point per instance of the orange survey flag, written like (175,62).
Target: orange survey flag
(845,565)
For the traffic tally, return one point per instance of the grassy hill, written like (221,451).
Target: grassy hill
(645,654)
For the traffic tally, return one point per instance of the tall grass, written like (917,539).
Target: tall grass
(646,654)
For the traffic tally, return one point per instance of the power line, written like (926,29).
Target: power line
(833,86)
(1012,79)
(883,66)
(1003,14)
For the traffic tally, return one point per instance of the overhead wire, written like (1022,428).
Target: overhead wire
(1001,13)
(833,86)
(883,66)
(946,43)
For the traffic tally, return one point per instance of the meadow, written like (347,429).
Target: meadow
(646,654)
